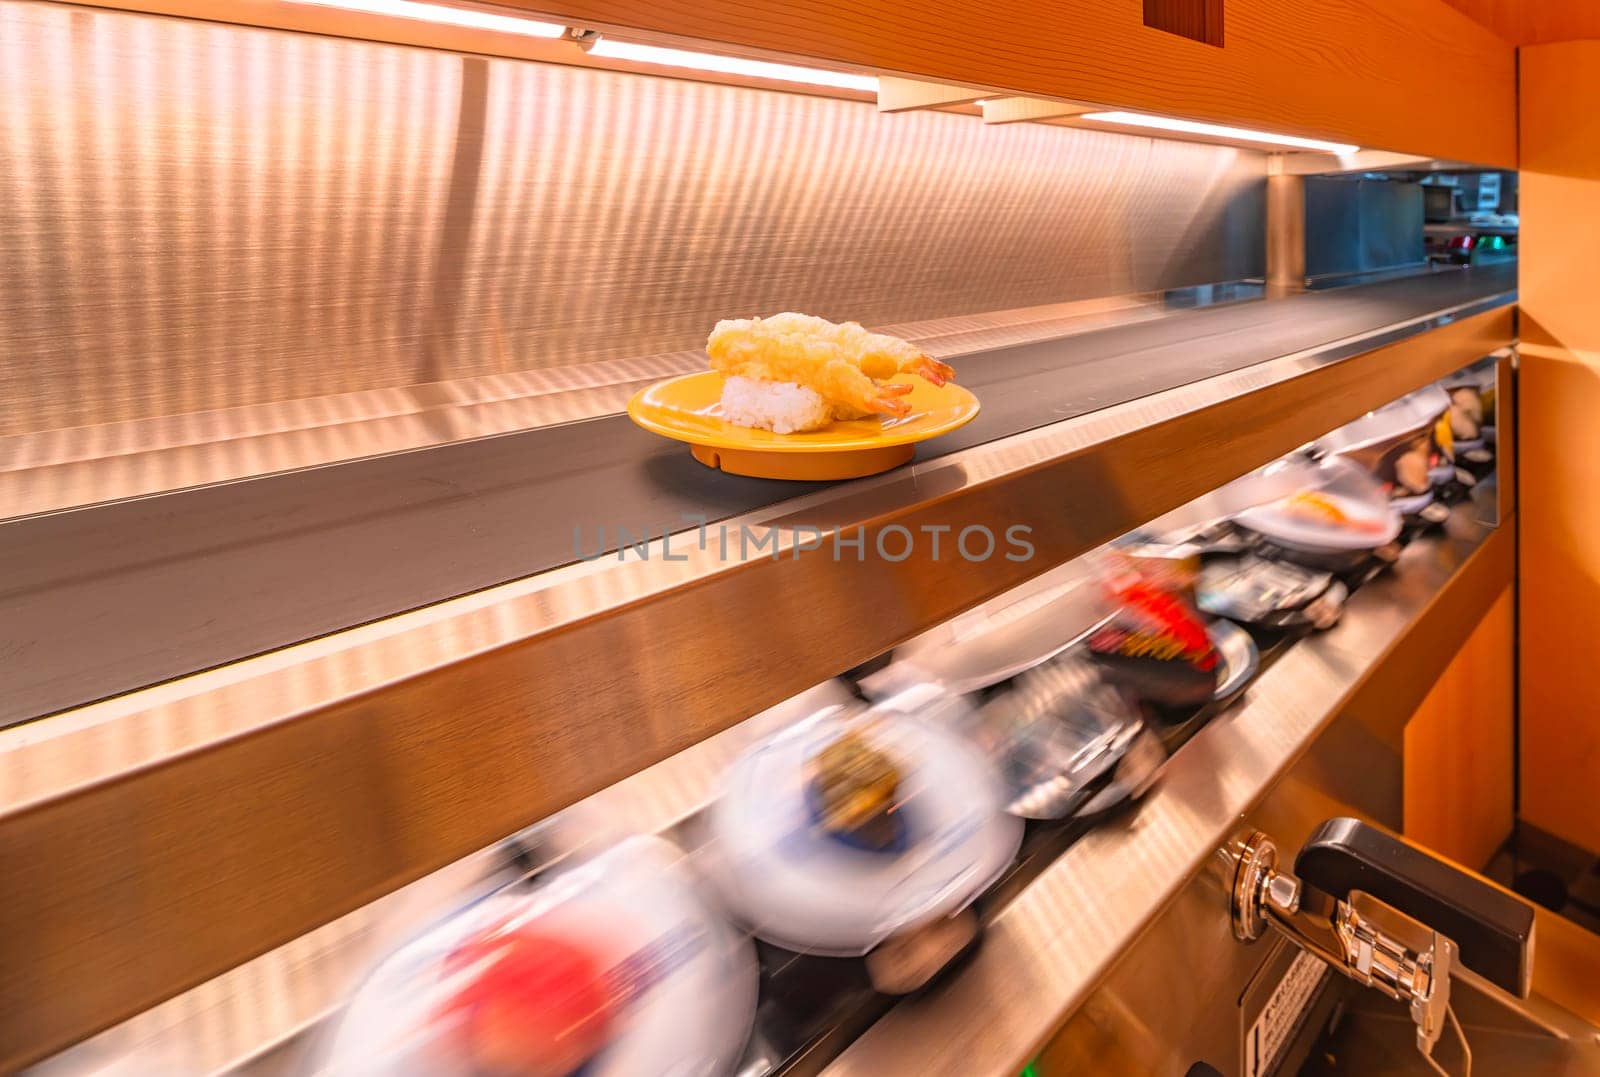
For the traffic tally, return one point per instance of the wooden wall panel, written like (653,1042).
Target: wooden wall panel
(1558,404)
(1531,22)
(1459,748)
(1370,72)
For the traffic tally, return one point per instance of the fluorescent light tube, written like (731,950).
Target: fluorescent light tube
(451,16)
(608,49)
(1215,130)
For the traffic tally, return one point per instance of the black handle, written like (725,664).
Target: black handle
(1493,930)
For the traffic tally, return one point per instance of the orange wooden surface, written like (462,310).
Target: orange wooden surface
(1408,75)
(1558,405)
(1459,749)
(1529,22)
(1564,965)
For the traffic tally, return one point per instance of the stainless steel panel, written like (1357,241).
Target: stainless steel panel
(195,215)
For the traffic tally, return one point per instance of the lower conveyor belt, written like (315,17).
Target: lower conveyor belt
(1063,911)
(87,608)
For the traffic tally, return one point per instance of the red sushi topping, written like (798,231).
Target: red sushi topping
(1164,617)
(536,1005)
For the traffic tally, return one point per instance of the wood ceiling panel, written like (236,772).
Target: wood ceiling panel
(1534,22)
(1361,71)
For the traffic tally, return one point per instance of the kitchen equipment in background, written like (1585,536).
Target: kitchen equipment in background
(1361,225)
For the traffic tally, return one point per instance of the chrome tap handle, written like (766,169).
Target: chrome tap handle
(1387,915)
(1386,949)
(1492,929)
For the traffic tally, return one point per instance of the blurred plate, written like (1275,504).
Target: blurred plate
(1240,658)
(1279,524)
(1411,415)
(1004,637)
(1136,772)
(1256,590)
(807,891)
(689,409)
(694,979)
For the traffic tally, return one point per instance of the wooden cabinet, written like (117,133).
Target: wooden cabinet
(1558,402)
(1459,748)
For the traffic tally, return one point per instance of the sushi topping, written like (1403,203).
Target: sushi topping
(1411,471)
(854,789)
(844,365)
(534,1004)
(1320,508)
(1466,412)
(1156,623)
(1445,437)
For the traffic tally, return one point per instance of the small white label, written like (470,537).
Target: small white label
(1280,1018)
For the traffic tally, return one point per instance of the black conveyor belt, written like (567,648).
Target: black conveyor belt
(109,598)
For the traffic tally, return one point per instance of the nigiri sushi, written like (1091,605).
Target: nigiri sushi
(792,373)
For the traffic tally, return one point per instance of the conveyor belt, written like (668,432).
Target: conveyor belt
(106,599)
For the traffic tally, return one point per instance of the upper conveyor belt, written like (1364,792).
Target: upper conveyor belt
(87,605)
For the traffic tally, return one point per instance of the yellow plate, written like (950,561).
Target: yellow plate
(688,408)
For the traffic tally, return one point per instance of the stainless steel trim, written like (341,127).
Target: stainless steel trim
(1505,406)
(334,772)
(1047,950)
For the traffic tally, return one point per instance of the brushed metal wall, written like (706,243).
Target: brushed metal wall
(195,216)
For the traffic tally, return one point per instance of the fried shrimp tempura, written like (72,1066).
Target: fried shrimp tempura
(841,363)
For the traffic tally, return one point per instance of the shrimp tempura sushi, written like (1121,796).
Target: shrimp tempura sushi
(794,372)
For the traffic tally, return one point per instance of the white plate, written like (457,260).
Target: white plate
(1414,413)
(1004,637)
(807,891)
(637,902)
(1273,522)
